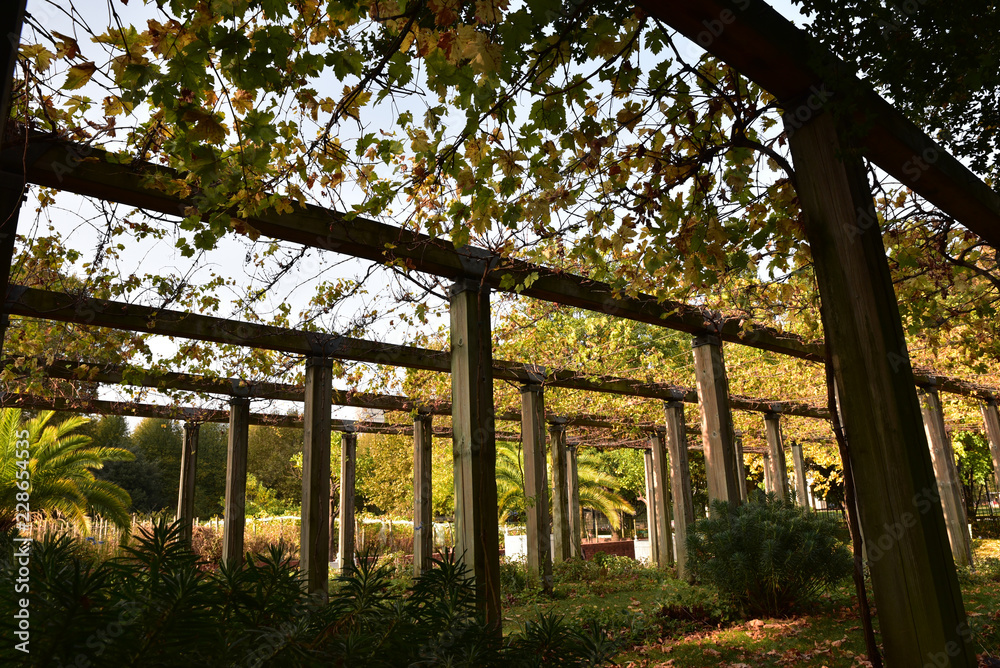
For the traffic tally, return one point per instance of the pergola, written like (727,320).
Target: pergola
(899,450)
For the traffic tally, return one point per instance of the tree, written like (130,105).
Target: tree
(61,465)
(140,476)
(269,459)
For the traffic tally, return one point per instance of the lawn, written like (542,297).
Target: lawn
(661,621)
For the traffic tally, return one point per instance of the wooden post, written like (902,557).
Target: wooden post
(776,450)
(651,522)
(801,485)
(661,491)
(991,418)
(717,431)
(948,484)
(741,467)
(560,493)
(768,474)
(423,517)
(348,467)
(11,194)
(573,494)
(189,467)
(314,545)
(474,442)
(917,594)
(236,480)
(536,486)
(680,482)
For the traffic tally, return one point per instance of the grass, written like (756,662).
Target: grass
(661,621)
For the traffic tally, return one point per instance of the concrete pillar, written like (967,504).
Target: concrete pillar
(718,435)
(867,348)
(776,450)
(236,480)
(536,487)
(651,521)
(348,472)
(991,420)
(680,482)
(560,493)
(573,494)
(423,516)
(801,485)
(189,468)
(948,484)
(661,491)
(474,444)
(314,545)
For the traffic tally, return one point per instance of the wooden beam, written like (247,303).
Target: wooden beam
(40,159)
(575,522)
(801,485)
(661,492)
(651,521)
(35,303)
(423,505)
(914,580)
(680,482)
(776,452)
(946,472)
(536,486)
(236,481)
(718,434)
(189,469)
(474,443)
(804,76)
(348,470)
(46,158)
(314,550)
(991,420)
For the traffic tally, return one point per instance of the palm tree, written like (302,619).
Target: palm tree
(598,489)
(61,465)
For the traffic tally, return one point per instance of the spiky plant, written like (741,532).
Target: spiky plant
(61,464)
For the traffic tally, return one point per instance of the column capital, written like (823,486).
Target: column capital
(774,416)
(467,285)
(319,360)
(531,387)
(706,339)
(239,401)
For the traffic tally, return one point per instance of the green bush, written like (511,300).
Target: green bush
(158,605)
(767,557)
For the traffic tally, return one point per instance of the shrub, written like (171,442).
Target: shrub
(156,605)
(766,557)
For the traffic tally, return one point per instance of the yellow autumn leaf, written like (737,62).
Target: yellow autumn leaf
(79,75)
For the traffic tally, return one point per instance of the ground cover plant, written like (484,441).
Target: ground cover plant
(156,606)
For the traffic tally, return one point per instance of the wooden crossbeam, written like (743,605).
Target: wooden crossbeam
(84,170)
(34,303)
(197,414)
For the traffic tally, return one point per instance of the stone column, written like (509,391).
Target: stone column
(717,430)
(314,545)
(536,490)
(189,468)
(236,480)
(348,471)
(776,451)
(423,517)
(680,481)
